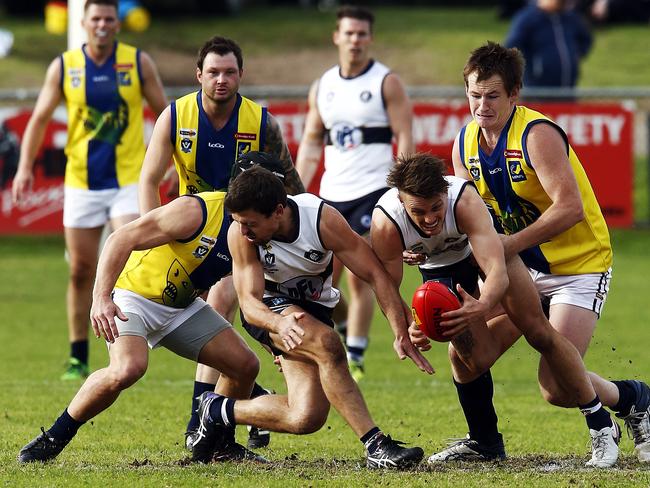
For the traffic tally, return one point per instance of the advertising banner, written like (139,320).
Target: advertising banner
(601,135)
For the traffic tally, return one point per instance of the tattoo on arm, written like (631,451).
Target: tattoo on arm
(275,145)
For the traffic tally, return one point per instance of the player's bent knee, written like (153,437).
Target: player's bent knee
(126,375)
(329,343)
(541,339)
(307,422)
(473,364)
(250,367)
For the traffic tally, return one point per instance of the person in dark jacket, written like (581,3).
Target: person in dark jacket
(553,40)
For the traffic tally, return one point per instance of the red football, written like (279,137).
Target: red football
(431,300)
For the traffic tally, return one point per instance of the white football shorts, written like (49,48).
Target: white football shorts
(86,209)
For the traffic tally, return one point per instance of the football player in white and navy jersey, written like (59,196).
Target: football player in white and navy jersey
(430,219)
(355,110)
(282,250)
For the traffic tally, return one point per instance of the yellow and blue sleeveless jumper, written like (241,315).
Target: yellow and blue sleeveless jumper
(175,273)
(508,183)
(204,156)
(105,146)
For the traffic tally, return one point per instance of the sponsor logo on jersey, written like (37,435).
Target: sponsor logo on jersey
(365,96)
(124,78)
(100,78)
(345,136)
(494,171)
(123,66)
(200,252)
(516,171)
(242,148)
(210,241)
(418,248)
(475,173)
(246,136)
(474,161)
(187,132)
(223,256)
(216,145)
(186,145)
(314,255)
(512,153)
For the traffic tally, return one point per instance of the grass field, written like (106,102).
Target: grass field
(138,442)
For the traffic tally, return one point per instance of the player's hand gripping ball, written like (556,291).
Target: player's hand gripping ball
(430,301)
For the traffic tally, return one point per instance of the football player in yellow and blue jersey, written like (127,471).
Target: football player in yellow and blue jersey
(543,205)
(149,278)
(103,84)
(204,132)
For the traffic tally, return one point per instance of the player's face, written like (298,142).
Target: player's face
(489,103)
(257,228)
(101,25)
(220,77)
(427,213)
(353,38)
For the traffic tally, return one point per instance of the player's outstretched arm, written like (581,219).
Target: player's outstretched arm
(276,145)
(387,244)
(47,101)
(156,160)
(311,143)
(179,219)
(248,278)
(356,255)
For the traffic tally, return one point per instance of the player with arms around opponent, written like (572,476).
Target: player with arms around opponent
(438,218)
(149,276)
(355,109)
(282,268)
(545,210)
(205,132)
(103,84)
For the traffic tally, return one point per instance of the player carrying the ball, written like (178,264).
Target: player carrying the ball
(431,220)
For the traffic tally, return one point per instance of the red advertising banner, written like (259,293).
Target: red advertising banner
(601,135)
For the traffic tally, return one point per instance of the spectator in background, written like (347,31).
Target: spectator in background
(615,11)
(553,39)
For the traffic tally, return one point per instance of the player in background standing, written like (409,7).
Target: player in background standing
(355,109)
(104,84)
(544,208)
(205,132)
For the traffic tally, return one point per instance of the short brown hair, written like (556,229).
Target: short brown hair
(354,12)
(493,59)
(256,189)
(221,46)
(421,175)
(110,3)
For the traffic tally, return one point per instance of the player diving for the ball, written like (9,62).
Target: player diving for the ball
(431,220)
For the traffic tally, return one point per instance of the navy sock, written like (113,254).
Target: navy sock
(369,435)
(79,350)
(476,400)
(626,397)
(258,391)
(199,388)
(222,410)
(596,416)
(65,427)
